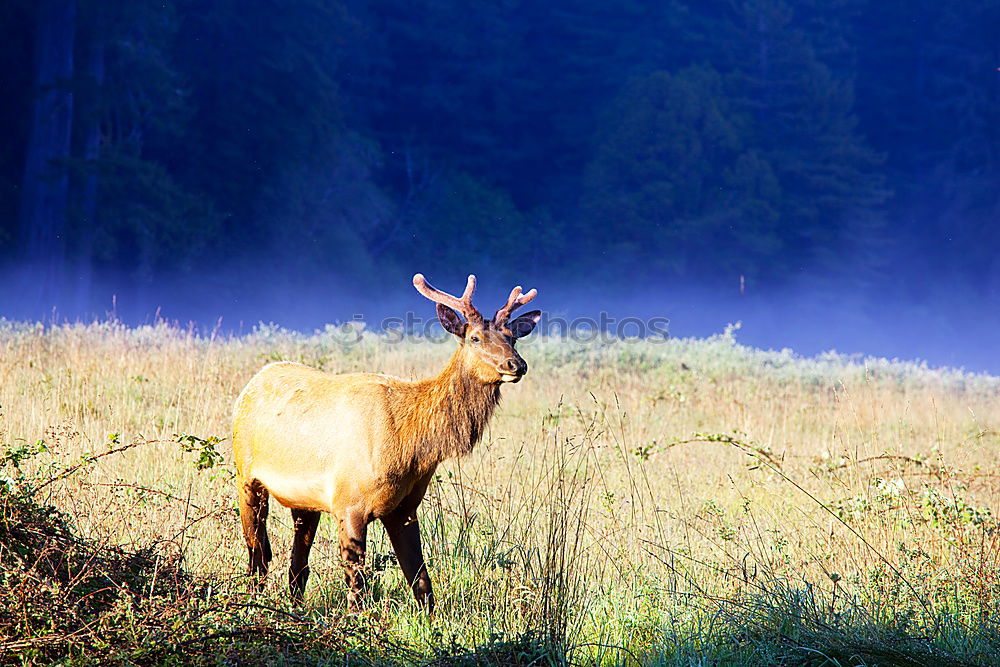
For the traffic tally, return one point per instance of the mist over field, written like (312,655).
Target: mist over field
(815,314)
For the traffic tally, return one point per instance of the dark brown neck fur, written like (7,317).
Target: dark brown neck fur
(445,416)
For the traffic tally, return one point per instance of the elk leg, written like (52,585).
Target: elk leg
(353,534)
(253,513)
(404,533)
(306,522)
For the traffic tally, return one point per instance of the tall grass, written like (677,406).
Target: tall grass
(642,502)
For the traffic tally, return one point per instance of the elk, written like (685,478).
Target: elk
(364,446)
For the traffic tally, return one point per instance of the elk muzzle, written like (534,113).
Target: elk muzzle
(512,369)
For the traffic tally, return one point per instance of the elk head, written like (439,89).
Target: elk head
(486,345)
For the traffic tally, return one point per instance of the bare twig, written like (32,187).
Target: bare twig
(90,459)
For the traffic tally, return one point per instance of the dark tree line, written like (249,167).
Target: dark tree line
(696,140)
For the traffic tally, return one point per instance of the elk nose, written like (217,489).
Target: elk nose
(514,366)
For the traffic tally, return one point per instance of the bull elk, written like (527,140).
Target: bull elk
(364,446)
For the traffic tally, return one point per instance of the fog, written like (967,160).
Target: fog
(944,326)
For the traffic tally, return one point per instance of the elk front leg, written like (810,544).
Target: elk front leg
(353,535)
(404,533)
(306,522)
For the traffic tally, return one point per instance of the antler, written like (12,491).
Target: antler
(514,301)
(463,305)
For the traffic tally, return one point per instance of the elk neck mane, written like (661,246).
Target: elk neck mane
(444,416)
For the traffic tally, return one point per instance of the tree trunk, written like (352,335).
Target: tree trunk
(45,190)
(92,151)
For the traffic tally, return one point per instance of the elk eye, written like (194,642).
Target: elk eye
(476,339)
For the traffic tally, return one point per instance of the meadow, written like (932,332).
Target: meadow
(661,502)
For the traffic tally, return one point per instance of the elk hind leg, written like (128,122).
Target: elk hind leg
(353,535)
(253,514)
(306,522)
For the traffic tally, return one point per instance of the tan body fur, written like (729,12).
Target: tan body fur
(360,441)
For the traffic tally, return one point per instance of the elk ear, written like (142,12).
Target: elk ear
(451,321)
(525,324)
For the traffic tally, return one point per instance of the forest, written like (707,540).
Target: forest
(708,143)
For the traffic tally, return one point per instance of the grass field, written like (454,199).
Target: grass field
(633,502)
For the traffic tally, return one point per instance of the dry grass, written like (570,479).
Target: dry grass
(662,502)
